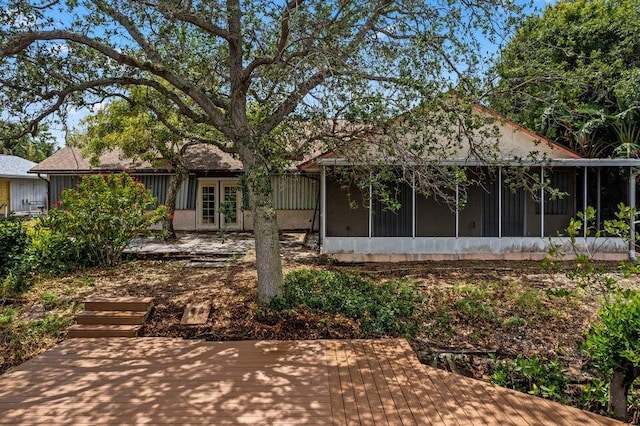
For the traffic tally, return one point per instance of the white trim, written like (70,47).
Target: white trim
(584,203)
(323,204)
(413,201)
(457,210)
(542,201)
(499,202)
(217,183)
(370,208)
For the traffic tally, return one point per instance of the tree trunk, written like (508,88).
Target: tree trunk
(175,181)
(618,391)
(257,183)
(268,262)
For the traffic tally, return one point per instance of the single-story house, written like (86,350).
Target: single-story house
(495,222)
(20,192)
(213,183)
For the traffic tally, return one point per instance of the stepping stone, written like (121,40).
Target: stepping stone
(196,313)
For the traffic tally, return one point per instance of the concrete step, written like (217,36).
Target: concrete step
(112,317)
(101,330)
(125,303)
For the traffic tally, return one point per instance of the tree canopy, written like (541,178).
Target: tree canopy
(250,70)
(34,148)
(573,74)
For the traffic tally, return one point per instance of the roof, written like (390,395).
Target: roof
(71,160)
(12,166)
(517,145)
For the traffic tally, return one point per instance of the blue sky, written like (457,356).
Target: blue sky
(75,116)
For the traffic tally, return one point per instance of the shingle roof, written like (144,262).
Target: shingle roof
(12,166)
(71,160)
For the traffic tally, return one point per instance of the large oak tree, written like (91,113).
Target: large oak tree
(249,69)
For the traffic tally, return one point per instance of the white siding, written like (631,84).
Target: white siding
(28,195)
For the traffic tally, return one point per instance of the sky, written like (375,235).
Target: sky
(75,116)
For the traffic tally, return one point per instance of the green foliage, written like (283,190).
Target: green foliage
(95,222)
(15,262)
(531,375)
(472,305)
(613,341)
(595,396)
(573,72)
(389,308)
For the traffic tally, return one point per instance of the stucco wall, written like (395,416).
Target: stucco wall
(380,249)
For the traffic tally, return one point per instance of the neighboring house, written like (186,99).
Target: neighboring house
(208,200)
(494,223)
(20,192)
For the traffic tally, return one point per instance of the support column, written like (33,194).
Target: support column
(632,219)
(323,204)
(413,201)
(370,208)
(584,203)
(598,195)
(542,201)
(499,202)
(457,210)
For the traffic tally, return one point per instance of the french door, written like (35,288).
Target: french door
(219,204)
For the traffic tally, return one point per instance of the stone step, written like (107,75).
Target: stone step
(101,330)
(112,317)
(125,303)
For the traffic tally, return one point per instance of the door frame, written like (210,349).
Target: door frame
(218,183)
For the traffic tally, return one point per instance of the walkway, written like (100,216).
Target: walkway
(164,381)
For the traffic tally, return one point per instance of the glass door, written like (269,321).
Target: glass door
(208,205)
(229,205)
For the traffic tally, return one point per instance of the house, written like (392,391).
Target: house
(203,200)
(20,192)
(495,222)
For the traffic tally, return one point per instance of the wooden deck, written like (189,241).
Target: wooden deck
(161,381)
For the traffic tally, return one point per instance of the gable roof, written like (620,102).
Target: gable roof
(12,166)
(516,142)
(70,160)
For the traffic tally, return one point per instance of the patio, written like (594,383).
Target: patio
(173,381)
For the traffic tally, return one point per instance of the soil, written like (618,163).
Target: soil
(474,311)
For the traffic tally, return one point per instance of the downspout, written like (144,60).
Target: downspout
(632,226)
(315,210)
(48,189)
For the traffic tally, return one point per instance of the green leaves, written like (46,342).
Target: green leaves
(102,215)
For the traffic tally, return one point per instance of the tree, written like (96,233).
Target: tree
(142,126)
(32,147)
(572,74)
(250,70)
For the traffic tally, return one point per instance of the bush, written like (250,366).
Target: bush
(15,262)
(531,375)
(390,308)
(613,342)
(94,223)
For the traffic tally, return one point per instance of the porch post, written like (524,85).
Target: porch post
(542,201)
(584,203)
(632,219)
(323,203)
(370,208)
(499,202)
(413,201)
(457,210)
(598,195)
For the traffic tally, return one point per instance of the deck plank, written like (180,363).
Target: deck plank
(340,382)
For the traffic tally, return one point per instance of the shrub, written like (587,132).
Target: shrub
(15,263)
(95,222)
(531,375)
(613,342)
(389,308)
